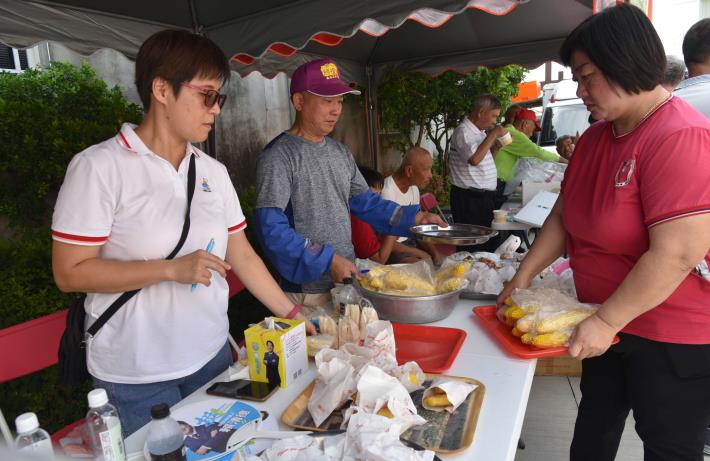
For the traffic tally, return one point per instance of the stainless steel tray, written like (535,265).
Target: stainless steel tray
(478,296)
(455,234)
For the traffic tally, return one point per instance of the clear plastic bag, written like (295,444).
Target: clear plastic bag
(533,169)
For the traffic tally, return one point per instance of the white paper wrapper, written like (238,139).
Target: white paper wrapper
(411,376)
(456,393)
(372,437)
(377,389)
(379,339)
(509,246)
(334,385)
(300,448)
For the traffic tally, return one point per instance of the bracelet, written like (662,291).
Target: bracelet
(294,312)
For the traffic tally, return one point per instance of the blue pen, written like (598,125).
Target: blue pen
(210,247)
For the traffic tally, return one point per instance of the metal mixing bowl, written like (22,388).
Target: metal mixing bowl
(412,309)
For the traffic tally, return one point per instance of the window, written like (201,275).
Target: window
(7,57)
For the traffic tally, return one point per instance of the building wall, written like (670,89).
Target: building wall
(257,110)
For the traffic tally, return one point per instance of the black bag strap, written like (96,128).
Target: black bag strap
(123,299)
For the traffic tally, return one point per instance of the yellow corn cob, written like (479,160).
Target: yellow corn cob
(555,339)
(526,338)
(451,284)
(516,332)
(562,320)
(508,301)
(385,411)
(413,379)
(516,312)
(398,281)
(457,270)
(525,323)
(437,401)
(437,391)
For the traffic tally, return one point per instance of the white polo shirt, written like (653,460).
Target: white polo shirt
(464,142)
(391,191)
(131,202)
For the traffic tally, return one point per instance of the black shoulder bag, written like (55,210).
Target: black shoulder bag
(72,347)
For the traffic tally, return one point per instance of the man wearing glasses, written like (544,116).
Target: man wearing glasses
(121,212)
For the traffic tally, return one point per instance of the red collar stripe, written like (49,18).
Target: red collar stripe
(125,141)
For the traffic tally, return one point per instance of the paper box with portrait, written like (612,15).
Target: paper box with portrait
(276,350)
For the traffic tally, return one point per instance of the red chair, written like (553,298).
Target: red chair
(35,346)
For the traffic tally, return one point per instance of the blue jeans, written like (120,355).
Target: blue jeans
(133,401)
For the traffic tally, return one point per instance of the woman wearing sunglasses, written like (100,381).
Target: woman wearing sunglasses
(121,212)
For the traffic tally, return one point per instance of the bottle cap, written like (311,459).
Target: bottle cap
(97,398)
(160,411)
(348,280)
(26,422)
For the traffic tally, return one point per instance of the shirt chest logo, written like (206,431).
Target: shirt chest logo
(624,173)
(205,185)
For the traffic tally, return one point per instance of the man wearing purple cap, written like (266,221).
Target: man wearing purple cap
(307,185)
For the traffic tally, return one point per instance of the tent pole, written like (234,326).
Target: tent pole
(372,118)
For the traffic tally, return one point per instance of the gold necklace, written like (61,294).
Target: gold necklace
(648,113)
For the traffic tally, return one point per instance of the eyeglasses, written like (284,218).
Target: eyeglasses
(212,97)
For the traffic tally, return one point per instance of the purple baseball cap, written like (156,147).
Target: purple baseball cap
(321,78)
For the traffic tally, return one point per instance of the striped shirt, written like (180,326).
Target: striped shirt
(465,140)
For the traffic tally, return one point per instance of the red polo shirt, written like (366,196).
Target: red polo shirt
(616,188)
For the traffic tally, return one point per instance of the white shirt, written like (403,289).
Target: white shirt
(464,142)
(696,92)
(391,191)
(122,197)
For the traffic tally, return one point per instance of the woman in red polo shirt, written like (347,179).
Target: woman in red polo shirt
(634,216)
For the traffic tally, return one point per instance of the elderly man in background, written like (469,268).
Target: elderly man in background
(307,186)
(471,165)
(696,53)
(403,187)
(565,146)
(675,73)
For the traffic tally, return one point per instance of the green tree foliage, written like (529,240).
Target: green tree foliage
(47,117)
(415,103)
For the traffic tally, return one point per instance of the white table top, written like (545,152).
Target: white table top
(507,380)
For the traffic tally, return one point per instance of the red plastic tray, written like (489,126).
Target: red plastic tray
(433,348)
(510,343)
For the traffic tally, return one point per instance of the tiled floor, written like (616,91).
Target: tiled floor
(549,423)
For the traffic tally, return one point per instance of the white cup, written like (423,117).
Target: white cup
(500,215)
(505,139)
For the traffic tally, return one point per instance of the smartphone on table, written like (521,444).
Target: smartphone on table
(242,389)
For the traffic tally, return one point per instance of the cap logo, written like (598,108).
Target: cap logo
(329,71)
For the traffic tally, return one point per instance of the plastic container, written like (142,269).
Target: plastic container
(32,441)
(348,294)
(505,139)
(500,215)
(165,437)
(433,348)
(104,428)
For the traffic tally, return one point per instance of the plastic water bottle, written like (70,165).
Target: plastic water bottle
(104,428)
(165,437)
(347,295)
(32,441)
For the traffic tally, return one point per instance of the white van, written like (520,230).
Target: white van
(563,113)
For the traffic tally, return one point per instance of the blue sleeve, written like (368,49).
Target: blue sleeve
(384,216)
(297,259)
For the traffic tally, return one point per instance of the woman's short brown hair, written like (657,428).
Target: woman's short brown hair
(177,56)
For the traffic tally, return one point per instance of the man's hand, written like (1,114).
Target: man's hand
(342,268)
(498,131)
(424,217)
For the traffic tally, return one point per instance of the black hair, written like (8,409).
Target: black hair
(272,343)
(696,43)
(372,177)
(177,56)
(623,44)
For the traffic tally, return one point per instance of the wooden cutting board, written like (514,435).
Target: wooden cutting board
(444,432)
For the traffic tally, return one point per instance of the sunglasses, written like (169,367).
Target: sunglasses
(212,97)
